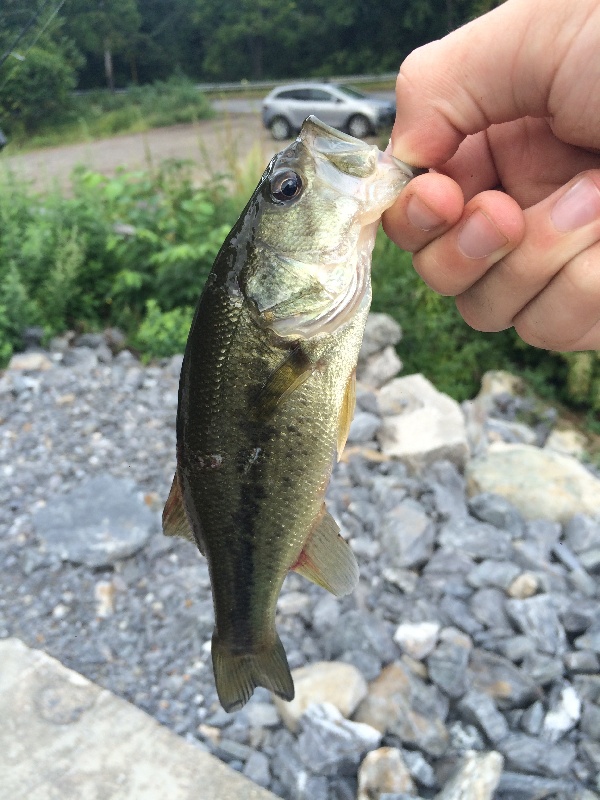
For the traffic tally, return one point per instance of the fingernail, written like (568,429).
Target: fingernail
(479,237)
(420,215)
(579,206)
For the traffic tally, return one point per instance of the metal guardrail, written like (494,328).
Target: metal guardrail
(244,84)
(237,86)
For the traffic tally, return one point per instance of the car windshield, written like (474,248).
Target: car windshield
(351,92)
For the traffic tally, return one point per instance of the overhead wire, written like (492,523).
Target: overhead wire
(34,42)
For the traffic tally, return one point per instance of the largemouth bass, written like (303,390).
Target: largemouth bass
(266,394)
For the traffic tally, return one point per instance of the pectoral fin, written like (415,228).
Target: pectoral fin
(346,414)
(174,518)
(288,376)
(327,559)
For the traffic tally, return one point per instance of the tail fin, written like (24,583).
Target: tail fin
(237,676)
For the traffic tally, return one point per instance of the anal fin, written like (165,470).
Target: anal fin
(174,518)
(327,559)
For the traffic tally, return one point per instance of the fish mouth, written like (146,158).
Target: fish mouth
(319,136)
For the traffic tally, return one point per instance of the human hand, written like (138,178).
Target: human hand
(510,101)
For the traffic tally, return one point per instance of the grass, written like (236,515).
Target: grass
(102,114)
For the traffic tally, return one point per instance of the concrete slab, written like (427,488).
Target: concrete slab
(64,738)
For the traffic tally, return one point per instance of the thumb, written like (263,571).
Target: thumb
(497,68)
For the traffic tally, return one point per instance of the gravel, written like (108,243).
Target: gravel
(501,644)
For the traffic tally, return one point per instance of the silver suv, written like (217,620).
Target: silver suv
(286,107)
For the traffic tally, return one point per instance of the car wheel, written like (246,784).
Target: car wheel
(281,129)
(359,126)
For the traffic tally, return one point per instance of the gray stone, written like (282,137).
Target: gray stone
(510,432)
(582,533)
(261,715)
(487,606)
(366,400)
(530,754)
(65,737)
(515,648)
(532,720)
(537,618)
(508,685)
(420,769)
(476,778)
(401,704)
(543,669)
(590,721)
(582,661)
(590,639)
(362,632)
(83,359)
(579,614)
(493,573)
(459,614)
(480,709)
(448,487)
(99,522)
(326,613)
(330,745)
(364,427)
(496,510)
(256,769)
(518,786)
(590,560)
(381,331)
(447,664)
(407,535)
(475,539)
(91,340)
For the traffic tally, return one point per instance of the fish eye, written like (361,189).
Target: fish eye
(286,186)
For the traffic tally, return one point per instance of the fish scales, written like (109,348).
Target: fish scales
(266,396)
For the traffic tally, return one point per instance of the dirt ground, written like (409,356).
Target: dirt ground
(213,145)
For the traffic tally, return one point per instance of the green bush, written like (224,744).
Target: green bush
(102,113)
(36,90)
(134,251)
(163,333)
(99,255)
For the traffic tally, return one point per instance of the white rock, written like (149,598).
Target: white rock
(476,778)
(417,638)
(567,441)
(30,362)
(564,716)
(422,425)
(104,592)
(334,682)
(383,771)
(540,483)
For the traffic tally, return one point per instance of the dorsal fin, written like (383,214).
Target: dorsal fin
(327,559)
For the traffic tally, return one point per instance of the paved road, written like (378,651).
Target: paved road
(239,105)
(215,146)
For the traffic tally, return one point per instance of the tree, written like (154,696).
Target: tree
(104,27)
